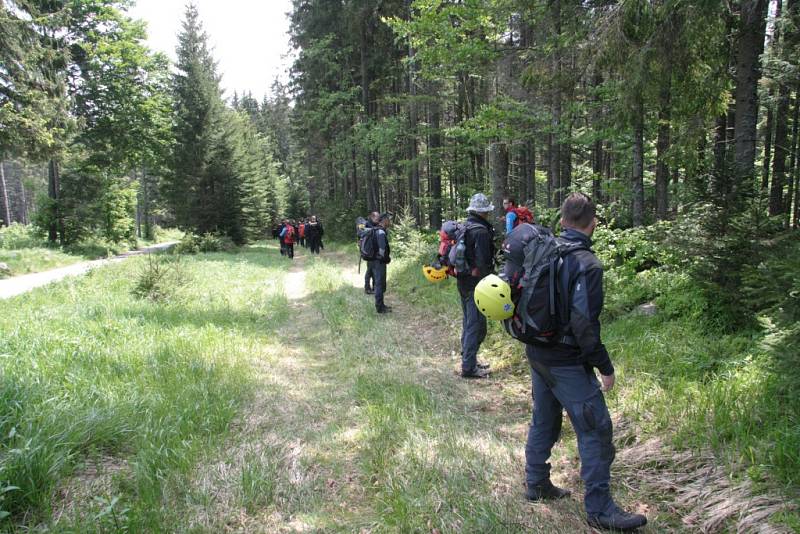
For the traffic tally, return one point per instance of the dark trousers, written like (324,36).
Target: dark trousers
(575,389)
(473,330)
(303,242)
(314,244)
(283,248)
(290,250)
(379,279)
(369,276)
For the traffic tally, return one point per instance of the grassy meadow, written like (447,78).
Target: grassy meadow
(243,392)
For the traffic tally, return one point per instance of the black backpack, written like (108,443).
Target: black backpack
(368,243)
(533,257)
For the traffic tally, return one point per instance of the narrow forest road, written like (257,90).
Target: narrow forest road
(362,425)
(18,285)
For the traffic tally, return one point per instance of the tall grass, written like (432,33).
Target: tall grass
(92,376)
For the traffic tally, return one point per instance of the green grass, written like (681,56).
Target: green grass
(34,260)
(110,396)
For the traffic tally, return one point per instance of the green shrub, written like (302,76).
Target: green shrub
(192,243)
(96,247)
(160,279)
(19,236)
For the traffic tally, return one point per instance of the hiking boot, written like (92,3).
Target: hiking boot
(545,491)
(384,309)
(618,519)
(369,291)
(475,373)
(483,366)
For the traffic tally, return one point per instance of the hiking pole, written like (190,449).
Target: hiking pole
(359,264)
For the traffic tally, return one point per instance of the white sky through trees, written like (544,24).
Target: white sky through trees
(249,38)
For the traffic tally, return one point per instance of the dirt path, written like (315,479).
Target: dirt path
(328,444)
(18,285)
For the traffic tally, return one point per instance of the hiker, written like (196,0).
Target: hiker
(301,233)
(288,235)
(515,215)
(563,378)
(281,233)
(479,252)
(382,259)
(510,216)
(369,276)
(314,233)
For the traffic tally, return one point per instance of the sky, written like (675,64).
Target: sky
(249,38)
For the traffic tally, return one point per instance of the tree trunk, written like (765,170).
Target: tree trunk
(435,166)
(6,213)
(499,159)
(663,144)
(792,192)
(781,151)
(55,230)
(372,196)
(413,149)
(768,128)
(748,72)
(530,150)
(637,174)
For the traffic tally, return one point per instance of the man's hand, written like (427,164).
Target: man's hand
(607,382)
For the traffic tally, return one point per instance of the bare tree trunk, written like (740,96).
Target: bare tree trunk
(748,72)
(4,195)
(372,193)
(499,160)
(55,231)
(781,151)
(435,166)
(792,192)
(637,174)
(663,144)
(768,128)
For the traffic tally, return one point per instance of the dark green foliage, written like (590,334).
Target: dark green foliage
(208,242)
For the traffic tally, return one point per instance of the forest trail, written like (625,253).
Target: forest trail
(361,424)
(18,285)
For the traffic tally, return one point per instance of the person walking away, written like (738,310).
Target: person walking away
(301,233)
(281,233)
(313,234)
(381,261)
(288,235)
(479,256)
(563,378)
(369,276)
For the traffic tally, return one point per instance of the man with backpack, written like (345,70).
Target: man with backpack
(287,235)
(382,259)
(477,237)
(563,378)
(369,276)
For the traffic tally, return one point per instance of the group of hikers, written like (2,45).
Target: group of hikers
(307,232)
(549,296)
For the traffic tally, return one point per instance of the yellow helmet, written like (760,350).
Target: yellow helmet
(434,274)
(493,298)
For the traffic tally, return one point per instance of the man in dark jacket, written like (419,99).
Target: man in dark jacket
(479,255)
(314,233)
(563,379)
(369,276)
(381,261)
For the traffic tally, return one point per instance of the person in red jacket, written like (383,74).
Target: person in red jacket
(301,233)
(287,234)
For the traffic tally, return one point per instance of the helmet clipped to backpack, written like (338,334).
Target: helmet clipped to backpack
(493,298)
(434,273)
